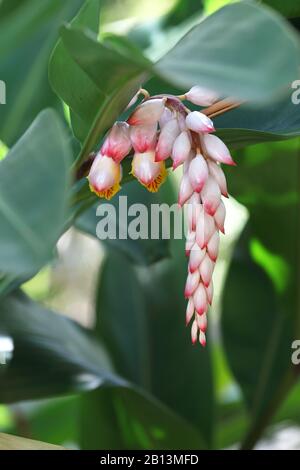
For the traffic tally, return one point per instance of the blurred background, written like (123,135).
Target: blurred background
(130,294)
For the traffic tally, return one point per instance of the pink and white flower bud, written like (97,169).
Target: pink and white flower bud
(105,176)
(189,311)
(199,122)
(201,96)
(202,322)
(181,122)
(190,240)
(202,338)
(117,144)
(148,172)
(217,150)
(205,229)
(220,217)
(193,210)
(181,149)
(185,190)
(165,117)
(206,270)
(191,285)
(200,299)
(198,172)
(211,196)
(166,140)
(210,292)
(149,112)
(213,246)
(194,332)
(196,257)
(143,138)
(217,173)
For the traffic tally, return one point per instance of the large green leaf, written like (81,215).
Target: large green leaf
(237,67)
(34,180)
(52,354)
(70,82)
(115,67)
(261,314)
(28,31)
(263,123)
(122,418)
(143,329)
(142,251)
(288,8)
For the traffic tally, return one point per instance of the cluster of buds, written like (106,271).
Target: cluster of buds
(159,128)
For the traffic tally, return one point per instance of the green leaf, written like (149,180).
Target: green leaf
(141,251)
(28,32)
(70,82)
(264,123)
(113,68)
(121,418)
(239,68)
(34,185)
(52,354)
(143,329)
(288,8)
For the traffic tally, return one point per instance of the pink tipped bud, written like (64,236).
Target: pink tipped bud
(143,138)
(217,150)
(191,283)
(206,270)
(217,173)
(190,240)
(193,210)
(199,122)
(189,311)
(166,116)
(196,256)
(205,229)
(146,113)
(220,217)
(202,322)
(213,246)
(105,176)
(200,299)
(211,196)
(194,332)
(202,338)
(198,172)
(201,96)
(185,190)
(181,149)
(117,144)
(166,140)
(210,292)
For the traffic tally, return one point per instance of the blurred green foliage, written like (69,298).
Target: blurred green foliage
(135,381)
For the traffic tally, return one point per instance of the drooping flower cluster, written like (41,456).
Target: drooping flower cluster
(163,127)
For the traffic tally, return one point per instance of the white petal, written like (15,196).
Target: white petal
(211,196)
(201,96)
(216,171)
(216,149)
(198,172)
(199,122)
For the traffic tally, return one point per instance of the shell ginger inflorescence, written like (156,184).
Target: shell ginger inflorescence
(159,128)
